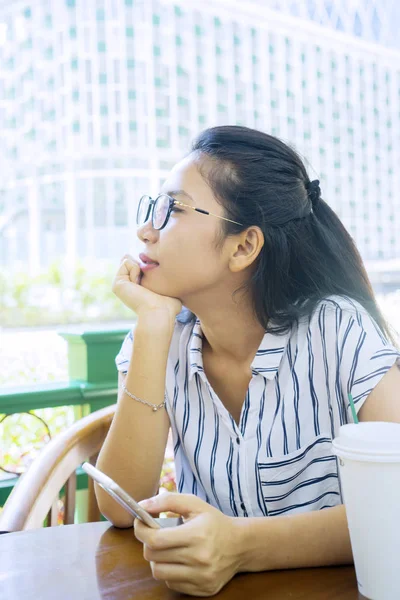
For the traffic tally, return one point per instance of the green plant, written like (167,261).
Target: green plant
(54,274)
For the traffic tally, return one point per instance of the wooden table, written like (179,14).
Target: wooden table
(95,560)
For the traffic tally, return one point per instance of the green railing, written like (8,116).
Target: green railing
(92,385)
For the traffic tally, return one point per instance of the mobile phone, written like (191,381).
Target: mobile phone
(123,498)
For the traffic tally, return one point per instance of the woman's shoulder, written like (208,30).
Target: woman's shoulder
(337,309)
(340,316)
(337,302)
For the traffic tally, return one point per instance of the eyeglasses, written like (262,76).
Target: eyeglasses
(160,210)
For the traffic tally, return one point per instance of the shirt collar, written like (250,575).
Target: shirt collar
(269,354)
(266,361)
(195,354)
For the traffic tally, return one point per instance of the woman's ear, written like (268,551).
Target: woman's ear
(246,246)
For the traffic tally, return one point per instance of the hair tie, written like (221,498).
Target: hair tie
(313,192)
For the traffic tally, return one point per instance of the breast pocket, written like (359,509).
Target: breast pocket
(301,481)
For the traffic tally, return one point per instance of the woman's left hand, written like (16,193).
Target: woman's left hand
(196,558)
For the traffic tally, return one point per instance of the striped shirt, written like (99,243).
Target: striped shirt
(278,460)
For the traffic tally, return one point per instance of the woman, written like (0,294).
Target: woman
(254,378)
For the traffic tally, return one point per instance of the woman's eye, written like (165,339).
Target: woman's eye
(176,209)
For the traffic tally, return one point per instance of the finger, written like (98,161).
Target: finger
(129,268)
(125,266)
(183,587)
(186,505)
(151,538)
(143,533)
(171,572)
(172,556)
(182,536)
(135,272)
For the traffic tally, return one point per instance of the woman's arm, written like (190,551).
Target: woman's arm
(134,449)
(311,539)
(383,403)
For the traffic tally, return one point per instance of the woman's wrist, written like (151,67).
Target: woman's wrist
(257,540)
(244,543)
(159,320)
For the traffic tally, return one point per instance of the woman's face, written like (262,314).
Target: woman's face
(189,261)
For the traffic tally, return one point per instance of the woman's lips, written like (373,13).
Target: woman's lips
(148,266)
(146,263)
(146,259)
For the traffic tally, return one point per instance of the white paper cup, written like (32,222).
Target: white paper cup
(369,466)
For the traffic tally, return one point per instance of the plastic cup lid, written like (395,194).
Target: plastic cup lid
(371,438)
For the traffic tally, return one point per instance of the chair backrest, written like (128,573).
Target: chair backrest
(37,492)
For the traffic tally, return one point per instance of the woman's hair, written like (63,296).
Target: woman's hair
(307,254)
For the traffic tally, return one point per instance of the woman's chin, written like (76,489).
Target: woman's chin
(156,287)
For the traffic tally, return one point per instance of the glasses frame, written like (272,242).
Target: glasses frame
(172,203)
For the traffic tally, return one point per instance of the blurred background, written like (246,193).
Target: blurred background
(99,99)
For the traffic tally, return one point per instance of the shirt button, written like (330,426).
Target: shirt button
(242,506)
(238,440)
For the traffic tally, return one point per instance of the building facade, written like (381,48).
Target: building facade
(99,98)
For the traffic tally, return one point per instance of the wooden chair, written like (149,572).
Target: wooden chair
(37,492)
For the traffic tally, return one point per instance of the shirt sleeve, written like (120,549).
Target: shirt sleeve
(124,355)
(364,354)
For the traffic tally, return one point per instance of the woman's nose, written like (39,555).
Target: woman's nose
(147,233)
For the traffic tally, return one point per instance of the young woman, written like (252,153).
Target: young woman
(254,377)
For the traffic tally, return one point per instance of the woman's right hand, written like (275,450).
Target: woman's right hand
(126,286)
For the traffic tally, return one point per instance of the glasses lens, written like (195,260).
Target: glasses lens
(160,213)
(143,210)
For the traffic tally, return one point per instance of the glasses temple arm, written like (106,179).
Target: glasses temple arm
(205,212)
